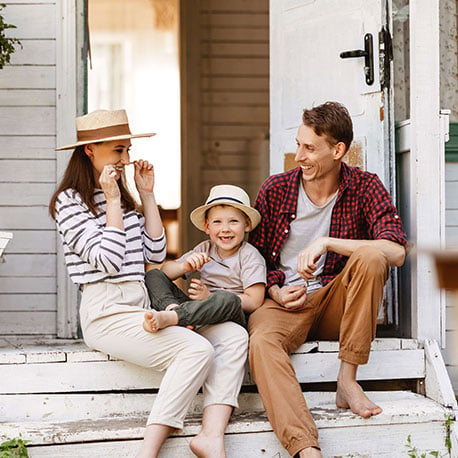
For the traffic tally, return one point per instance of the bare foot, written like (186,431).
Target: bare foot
(208,446)
(154,320)
(350,395)
(310,452)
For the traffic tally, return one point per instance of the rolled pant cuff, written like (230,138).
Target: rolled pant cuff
(353,357)
(233,402)
(171,422)
(297,445)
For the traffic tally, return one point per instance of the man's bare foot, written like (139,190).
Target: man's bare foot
(154,320)
(350,395)
(208,446)
(310,452)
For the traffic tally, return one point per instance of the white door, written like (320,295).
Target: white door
(307,38)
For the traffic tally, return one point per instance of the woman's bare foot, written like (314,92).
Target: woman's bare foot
(350,395)
(204,446)
(154,320)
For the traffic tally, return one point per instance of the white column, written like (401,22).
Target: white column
(66,77)
(426,166)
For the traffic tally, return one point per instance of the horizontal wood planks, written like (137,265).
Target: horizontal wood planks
(234,75)
(28,171)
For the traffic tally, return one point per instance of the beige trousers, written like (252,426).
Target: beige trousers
(212,358)
(345,309)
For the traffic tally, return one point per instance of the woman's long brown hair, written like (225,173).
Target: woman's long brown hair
(79,176)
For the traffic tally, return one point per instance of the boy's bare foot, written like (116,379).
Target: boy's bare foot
(310,452)
(208,446)
(154,320)
(350,395)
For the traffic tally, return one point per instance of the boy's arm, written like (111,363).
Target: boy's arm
(174,269)
(253,297)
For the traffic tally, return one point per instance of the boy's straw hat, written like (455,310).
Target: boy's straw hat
(225,194)
(102,126)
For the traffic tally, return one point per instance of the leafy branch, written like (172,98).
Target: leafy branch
(7,45)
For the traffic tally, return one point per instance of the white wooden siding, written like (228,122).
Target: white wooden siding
(451,231)
(234,62)
(28,171)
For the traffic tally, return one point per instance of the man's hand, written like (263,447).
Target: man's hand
(197,291)
(195,261)
(290,297)
(307,259)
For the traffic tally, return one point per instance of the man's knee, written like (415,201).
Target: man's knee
(372,259)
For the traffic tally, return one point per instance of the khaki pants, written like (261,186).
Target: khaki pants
(214,358)
(345,309)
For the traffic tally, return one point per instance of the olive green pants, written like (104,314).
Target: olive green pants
(219,307)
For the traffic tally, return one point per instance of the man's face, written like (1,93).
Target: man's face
(315,155)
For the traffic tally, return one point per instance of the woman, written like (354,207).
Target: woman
(106,242)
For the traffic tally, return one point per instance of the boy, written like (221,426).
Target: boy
(232,272)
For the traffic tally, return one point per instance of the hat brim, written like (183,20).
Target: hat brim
(197,216)
(107,139)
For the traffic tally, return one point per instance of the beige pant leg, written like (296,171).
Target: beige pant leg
(230,343)
(185,356)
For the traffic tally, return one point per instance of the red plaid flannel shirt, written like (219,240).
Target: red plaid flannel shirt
(363,211)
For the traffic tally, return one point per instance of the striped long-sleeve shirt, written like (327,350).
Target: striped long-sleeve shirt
(94,252)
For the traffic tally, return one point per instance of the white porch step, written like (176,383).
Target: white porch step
(69,401)
(249,433)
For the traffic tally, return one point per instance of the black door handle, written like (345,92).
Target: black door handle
(367,53)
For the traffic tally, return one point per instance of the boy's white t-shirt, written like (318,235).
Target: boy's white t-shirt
(245,268)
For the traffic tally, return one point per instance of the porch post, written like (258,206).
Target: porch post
(426,167)
(66,109)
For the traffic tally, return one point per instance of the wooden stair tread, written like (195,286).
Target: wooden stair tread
(400,407)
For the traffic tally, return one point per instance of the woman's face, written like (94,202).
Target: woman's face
(114,153)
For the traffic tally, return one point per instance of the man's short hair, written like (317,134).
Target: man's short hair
(332,120)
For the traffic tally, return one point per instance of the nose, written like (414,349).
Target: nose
(300,153)
(125,157)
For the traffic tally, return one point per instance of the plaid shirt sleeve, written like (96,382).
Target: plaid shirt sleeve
(268,236)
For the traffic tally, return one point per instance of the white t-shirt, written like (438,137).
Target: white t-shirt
(245,268)
(312,221)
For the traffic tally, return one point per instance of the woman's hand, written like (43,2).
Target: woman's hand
(144,177)
(108,183)
(197,291)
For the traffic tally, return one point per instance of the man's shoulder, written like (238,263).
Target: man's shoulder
(280,179)
(357,177)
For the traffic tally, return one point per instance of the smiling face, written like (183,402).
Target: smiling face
(108,153)
(316,156)
(226,226)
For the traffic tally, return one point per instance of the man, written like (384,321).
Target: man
(329,234)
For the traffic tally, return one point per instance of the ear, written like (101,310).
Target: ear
(339,151)
(206,229)
(248,225)
(89,150)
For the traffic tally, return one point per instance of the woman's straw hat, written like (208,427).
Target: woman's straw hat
(225,194)
(102,126)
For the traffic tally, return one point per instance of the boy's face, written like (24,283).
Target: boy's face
(226,227)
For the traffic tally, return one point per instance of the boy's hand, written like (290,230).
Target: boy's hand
(197,291)
(195,261)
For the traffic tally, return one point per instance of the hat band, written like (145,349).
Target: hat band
(225,198)
(104,132)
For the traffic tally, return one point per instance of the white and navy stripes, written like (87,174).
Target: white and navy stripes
(94,252)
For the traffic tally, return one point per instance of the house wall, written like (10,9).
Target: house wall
(28,171)
(233,97)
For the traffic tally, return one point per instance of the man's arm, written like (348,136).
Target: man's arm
(306,261)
